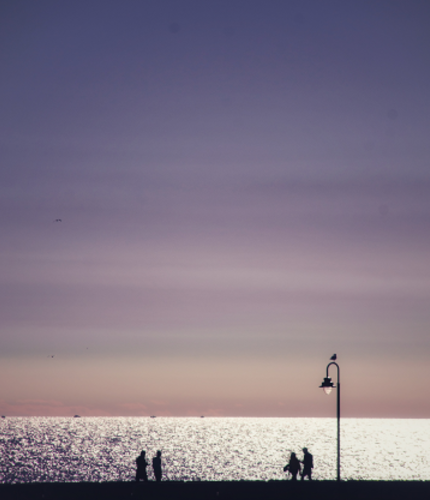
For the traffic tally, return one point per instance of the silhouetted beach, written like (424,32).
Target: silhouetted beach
(226,490)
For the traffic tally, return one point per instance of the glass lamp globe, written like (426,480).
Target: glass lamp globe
(327,385)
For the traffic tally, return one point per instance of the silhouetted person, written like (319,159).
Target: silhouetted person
(293,466)
(141,464)
(156,465)
(308,464)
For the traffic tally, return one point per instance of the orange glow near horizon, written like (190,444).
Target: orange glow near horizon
(211,387)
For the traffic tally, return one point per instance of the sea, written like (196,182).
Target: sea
(97,449)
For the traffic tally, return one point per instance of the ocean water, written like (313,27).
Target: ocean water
(193,449)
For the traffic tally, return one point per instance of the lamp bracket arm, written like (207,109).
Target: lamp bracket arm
(337,366)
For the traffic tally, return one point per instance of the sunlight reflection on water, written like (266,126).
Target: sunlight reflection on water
(105,449)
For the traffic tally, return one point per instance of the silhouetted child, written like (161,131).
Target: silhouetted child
(156,465)
(308,464)
(141,464)
(293,466)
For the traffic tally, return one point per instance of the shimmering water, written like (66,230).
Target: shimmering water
(105,449)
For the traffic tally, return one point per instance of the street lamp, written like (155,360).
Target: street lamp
(327,386)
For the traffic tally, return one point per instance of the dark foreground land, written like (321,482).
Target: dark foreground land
(237,490)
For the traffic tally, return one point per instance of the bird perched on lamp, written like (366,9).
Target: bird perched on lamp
(334,357)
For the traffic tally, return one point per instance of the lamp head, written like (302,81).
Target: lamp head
(327,385)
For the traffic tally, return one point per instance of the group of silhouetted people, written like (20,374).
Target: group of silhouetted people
(142,464)
(294,467)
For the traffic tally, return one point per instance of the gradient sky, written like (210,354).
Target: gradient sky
(243,188)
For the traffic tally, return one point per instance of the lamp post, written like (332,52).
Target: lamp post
(327,385)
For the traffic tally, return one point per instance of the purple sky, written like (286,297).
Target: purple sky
(243,188)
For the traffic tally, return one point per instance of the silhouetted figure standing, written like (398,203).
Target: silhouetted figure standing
(156,465)
(141,464)
(293,466)
(308,464)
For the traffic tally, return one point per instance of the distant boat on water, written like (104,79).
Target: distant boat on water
(77,416)
(153,416)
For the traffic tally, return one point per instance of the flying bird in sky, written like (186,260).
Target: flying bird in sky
(58,220)
(333,357)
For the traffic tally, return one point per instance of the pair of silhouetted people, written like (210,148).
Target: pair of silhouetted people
(142,464)
(294,467)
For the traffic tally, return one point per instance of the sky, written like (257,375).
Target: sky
(201,202)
